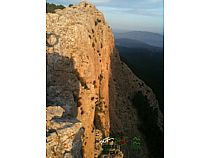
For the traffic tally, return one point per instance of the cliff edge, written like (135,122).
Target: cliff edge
(79,46)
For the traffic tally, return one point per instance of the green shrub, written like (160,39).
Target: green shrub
(50,7)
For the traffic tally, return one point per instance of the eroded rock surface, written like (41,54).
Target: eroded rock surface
(79,47)
(63,135)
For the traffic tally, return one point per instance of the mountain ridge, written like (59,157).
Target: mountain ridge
(129,43)
(150,38)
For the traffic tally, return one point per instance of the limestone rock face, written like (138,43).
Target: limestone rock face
(63,135)
(79,46)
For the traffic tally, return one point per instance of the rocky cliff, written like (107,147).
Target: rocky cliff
(89,89)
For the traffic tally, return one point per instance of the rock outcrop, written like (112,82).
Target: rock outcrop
(87,85)
(63,135)
(79,46)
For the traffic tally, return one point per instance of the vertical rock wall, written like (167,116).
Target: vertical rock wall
(79,46)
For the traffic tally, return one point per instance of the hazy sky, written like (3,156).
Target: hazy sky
(143,15)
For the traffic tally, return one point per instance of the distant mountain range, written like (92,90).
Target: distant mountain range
(130,43)
(142,39)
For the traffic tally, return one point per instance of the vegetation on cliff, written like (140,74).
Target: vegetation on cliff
(149,117)
(148,66)
(50,7)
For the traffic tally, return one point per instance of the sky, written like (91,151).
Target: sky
(128,15)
